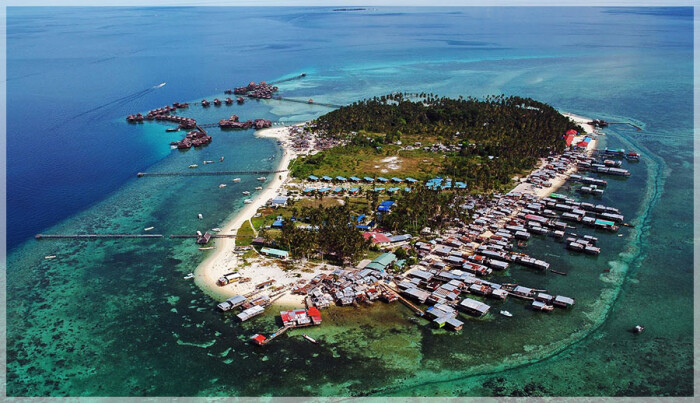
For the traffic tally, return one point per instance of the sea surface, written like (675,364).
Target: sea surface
(115,317)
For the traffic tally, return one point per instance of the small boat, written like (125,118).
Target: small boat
(638,329)
(200,216)
(258,188)
(236,179)
(159,85)
(506,313)
(221,159)
(207,162)
(217,229)
(172,129)
(50,257)
(148,229)
(223,185)
(246,193)
(207,248)
(247,201)
(194,166)
(307,337)
(619,234)
(262,179)
(189,276)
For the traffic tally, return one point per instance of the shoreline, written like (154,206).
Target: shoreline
(224,259)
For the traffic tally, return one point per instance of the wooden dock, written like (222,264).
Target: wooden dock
(95,236)
(208,173)
(406,302)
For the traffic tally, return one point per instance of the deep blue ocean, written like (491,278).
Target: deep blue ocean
(115,317)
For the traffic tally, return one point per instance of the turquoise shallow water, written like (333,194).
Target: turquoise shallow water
(116,318)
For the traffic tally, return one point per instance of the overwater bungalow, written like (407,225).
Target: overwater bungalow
(474,307)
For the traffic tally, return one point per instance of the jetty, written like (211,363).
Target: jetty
(207,173)
(95,236)
(406,302)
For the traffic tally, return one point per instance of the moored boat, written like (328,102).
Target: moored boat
(221,186)
(50,257)
(245,193)
(506,313)
(217,229)
(236,179)
(172,129)
(189,276)
(247,201)
(148,229)
(262,179)
(258,188)
(309,338)
(200,216)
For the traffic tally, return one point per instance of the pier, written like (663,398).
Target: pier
(406,302)
(309,102)
(95,236)
(208,173)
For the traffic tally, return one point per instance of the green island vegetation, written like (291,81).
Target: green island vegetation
(483,143)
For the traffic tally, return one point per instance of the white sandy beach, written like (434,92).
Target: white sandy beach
(224,260)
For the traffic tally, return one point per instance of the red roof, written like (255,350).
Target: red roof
(376,237)
(259,338)
(569,138)
(572,131)
(314,313)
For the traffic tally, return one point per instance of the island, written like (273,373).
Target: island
(414,198)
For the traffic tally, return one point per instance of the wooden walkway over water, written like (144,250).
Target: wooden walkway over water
(95,236)
(208,173)
(406,302)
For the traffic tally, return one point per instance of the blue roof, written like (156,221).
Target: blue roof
(387,203)
(327,178)
(395,179)
(341,178)
(411,180)
(378,189)
(361,217)
(362,226)
(338,190)
(353,190)
(277,223)
(380,179)
(313,178)
(307,190)
(460,185)
(392,190)
(368,179)
(324,190)
(383,208)
(355,178)
(407,189)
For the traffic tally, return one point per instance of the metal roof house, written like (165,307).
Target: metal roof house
(281,254)
(474,307)
(313,178)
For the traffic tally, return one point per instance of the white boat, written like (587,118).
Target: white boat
(217,229)
(189,276)
(506,313)
(148,229)
(200,216)
(309,338)
(258,188)
(223,185)
(262,179)
(207,162)
(221,159)
(159,85)
(50,257)
(247,201)
(194,166)
(246,193)
(206,248)
(236,179)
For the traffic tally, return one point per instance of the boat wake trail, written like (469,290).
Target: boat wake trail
(119,101)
